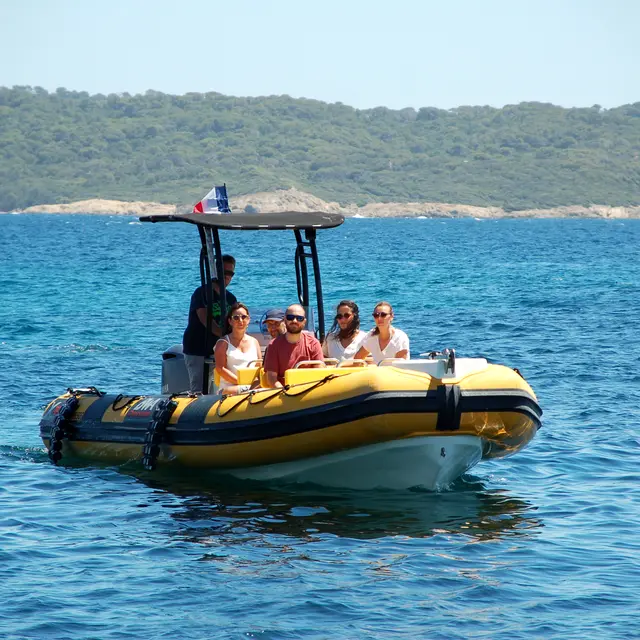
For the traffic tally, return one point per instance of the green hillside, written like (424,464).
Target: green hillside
(64,146)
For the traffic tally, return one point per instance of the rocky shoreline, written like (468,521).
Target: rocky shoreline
(295,200)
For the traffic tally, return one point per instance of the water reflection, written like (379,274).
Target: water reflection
(210,505)
(224,507)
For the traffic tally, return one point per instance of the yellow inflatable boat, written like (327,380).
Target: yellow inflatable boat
(404,423)
(388,426)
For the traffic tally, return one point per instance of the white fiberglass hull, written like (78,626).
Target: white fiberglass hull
(428,462)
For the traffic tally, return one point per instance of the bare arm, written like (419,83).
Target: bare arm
(270,365)
(221,362)
(317,354)
(256,344)
(403,352)
(363,352)
(272,379)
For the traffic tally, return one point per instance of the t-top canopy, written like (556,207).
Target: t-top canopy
(254,221)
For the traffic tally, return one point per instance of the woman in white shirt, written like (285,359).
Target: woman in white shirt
(384,341)
(235,349)
(344,337)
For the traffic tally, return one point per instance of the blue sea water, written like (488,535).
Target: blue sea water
(541,545)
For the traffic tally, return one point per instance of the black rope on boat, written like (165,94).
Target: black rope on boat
(246,397)
(318,383)
(249,397)
(62,426)
(156,431)
(114,404)
(276,392)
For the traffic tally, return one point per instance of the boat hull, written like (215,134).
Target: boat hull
(378,427)
(426,462)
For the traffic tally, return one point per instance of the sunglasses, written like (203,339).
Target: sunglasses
(291,317)
(346,316)
(229,273)
(239,317)
(380,314)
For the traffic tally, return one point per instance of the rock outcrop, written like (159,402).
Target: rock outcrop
(296,200)
(104,207)
(286,200)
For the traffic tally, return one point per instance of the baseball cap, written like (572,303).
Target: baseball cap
(274,314)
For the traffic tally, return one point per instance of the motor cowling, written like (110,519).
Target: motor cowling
(175,378)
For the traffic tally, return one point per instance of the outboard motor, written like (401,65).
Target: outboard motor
(175,378)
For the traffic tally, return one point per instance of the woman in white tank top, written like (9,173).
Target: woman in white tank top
(236,349)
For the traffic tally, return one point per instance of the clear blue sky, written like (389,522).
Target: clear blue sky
(394,53)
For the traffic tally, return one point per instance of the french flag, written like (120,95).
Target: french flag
(216,201)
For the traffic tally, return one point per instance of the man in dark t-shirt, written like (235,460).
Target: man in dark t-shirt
(195,335)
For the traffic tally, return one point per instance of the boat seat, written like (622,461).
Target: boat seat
(248,375)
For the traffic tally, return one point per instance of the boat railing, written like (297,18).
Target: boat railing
(352,362)
(389,362)
(306,363)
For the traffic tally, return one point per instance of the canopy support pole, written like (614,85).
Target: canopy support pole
(302,276)
(307,249)
(310,235)
(211,256)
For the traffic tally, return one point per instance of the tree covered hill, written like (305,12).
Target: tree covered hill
(67,145)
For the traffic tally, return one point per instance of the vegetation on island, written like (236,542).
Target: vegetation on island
(66,145)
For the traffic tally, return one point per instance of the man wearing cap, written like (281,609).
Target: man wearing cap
(274,321)
(194,338)
(291,347)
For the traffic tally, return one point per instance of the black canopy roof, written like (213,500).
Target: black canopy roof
(254,221)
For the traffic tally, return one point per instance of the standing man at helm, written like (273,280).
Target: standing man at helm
(195,335)
(292,347)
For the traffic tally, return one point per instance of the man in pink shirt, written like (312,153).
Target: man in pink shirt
(294,346)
